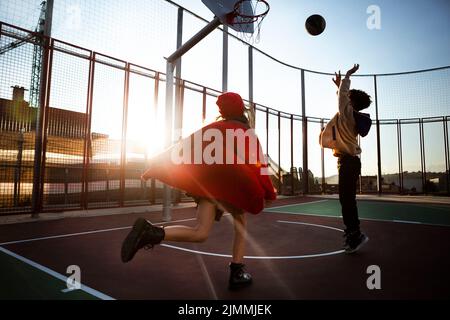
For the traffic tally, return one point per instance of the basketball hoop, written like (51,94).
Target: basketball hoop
(245,14)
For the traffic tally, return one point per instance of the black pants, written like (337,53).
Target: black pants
(349,169)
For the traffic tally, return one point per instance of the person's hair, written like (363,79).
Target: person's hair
(243,119)
(360,100)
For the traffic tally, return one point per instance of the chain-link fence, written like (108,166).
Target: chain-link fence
(97,119)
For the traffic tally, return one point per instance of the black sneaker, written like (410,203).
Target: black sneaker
(354,241)
(238,276)
(143,234)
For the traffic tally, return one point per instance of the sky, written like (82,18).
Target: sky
(412,35)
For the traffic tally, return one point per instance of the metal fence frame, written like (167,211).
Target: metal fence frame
(51,45)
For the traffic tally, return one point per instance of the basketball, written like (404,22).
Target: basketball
(315,24)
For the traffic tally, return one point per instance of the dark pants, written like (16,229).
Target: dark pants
(349,168)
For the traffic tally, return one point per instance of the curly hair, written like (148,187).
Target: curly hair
(360,100)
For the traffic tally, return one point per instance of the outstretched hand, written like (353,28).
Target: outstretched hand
(337,81)
(352,70)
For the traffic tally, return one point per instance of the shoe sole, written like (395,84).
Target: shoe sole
(239,285)
(366,239)
(129,248)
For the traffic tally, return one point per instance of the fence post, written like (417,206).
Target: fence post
(422,156)
(41,120)
(155,114)
(447,156)
(87,147)
(204,104)
(66,185)
(107,182)
(167,190)
(250,75)
(144,183)
(292,155)
(280,185)
(46,121)
(267,131)
(123,151)
(178,115)
(447,153)
(400,155)
(225,59)
(379,177)
(305,177)
(322,160)
(18,171)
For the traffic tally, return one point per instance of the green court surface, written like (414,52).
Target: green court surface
(434,214)
(20,280)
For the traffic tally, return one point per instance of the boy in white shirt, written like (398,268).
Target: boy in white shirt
(340,135)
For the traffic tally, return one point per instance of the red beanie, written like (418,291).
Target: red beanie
(230,105)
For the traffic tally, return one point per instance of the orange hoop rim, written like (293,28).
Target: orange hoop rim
(247,18)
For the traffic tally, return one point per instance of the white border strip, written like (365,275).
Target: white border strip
(55,274)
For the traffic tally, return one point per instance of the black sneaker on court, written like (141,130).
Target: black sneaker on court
(354,241)
(238,276)
(141,235)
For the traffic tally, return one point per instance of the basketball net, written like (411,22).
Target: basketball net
(249,24)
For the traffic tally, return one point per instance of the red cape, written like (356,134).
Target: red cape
(240,185)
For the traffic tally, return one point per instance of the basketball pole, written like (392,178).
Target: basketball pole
(170,68)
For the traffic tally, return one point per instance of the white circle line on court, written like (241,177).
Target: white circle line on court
(267,257)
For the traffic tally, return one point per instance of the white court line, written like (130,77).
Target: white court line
(62,236)
(293,205)
(404,221)
(340,216)
(368,219)
(311,224)
(304,214)
(254,257)
(184,249)
(85,233)
(55,274)
(184,220)
(267,257)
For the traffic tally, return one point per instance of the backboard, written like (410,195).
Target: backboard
(224,8)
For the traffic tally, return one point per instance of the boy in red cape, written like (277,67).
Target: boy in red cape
(222,167)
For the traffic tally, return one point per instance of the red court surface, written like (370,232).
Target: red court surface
(292,257)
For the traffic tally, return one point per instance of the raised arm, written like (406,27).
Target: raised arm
(337,81)
(352,71)
(344,88)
